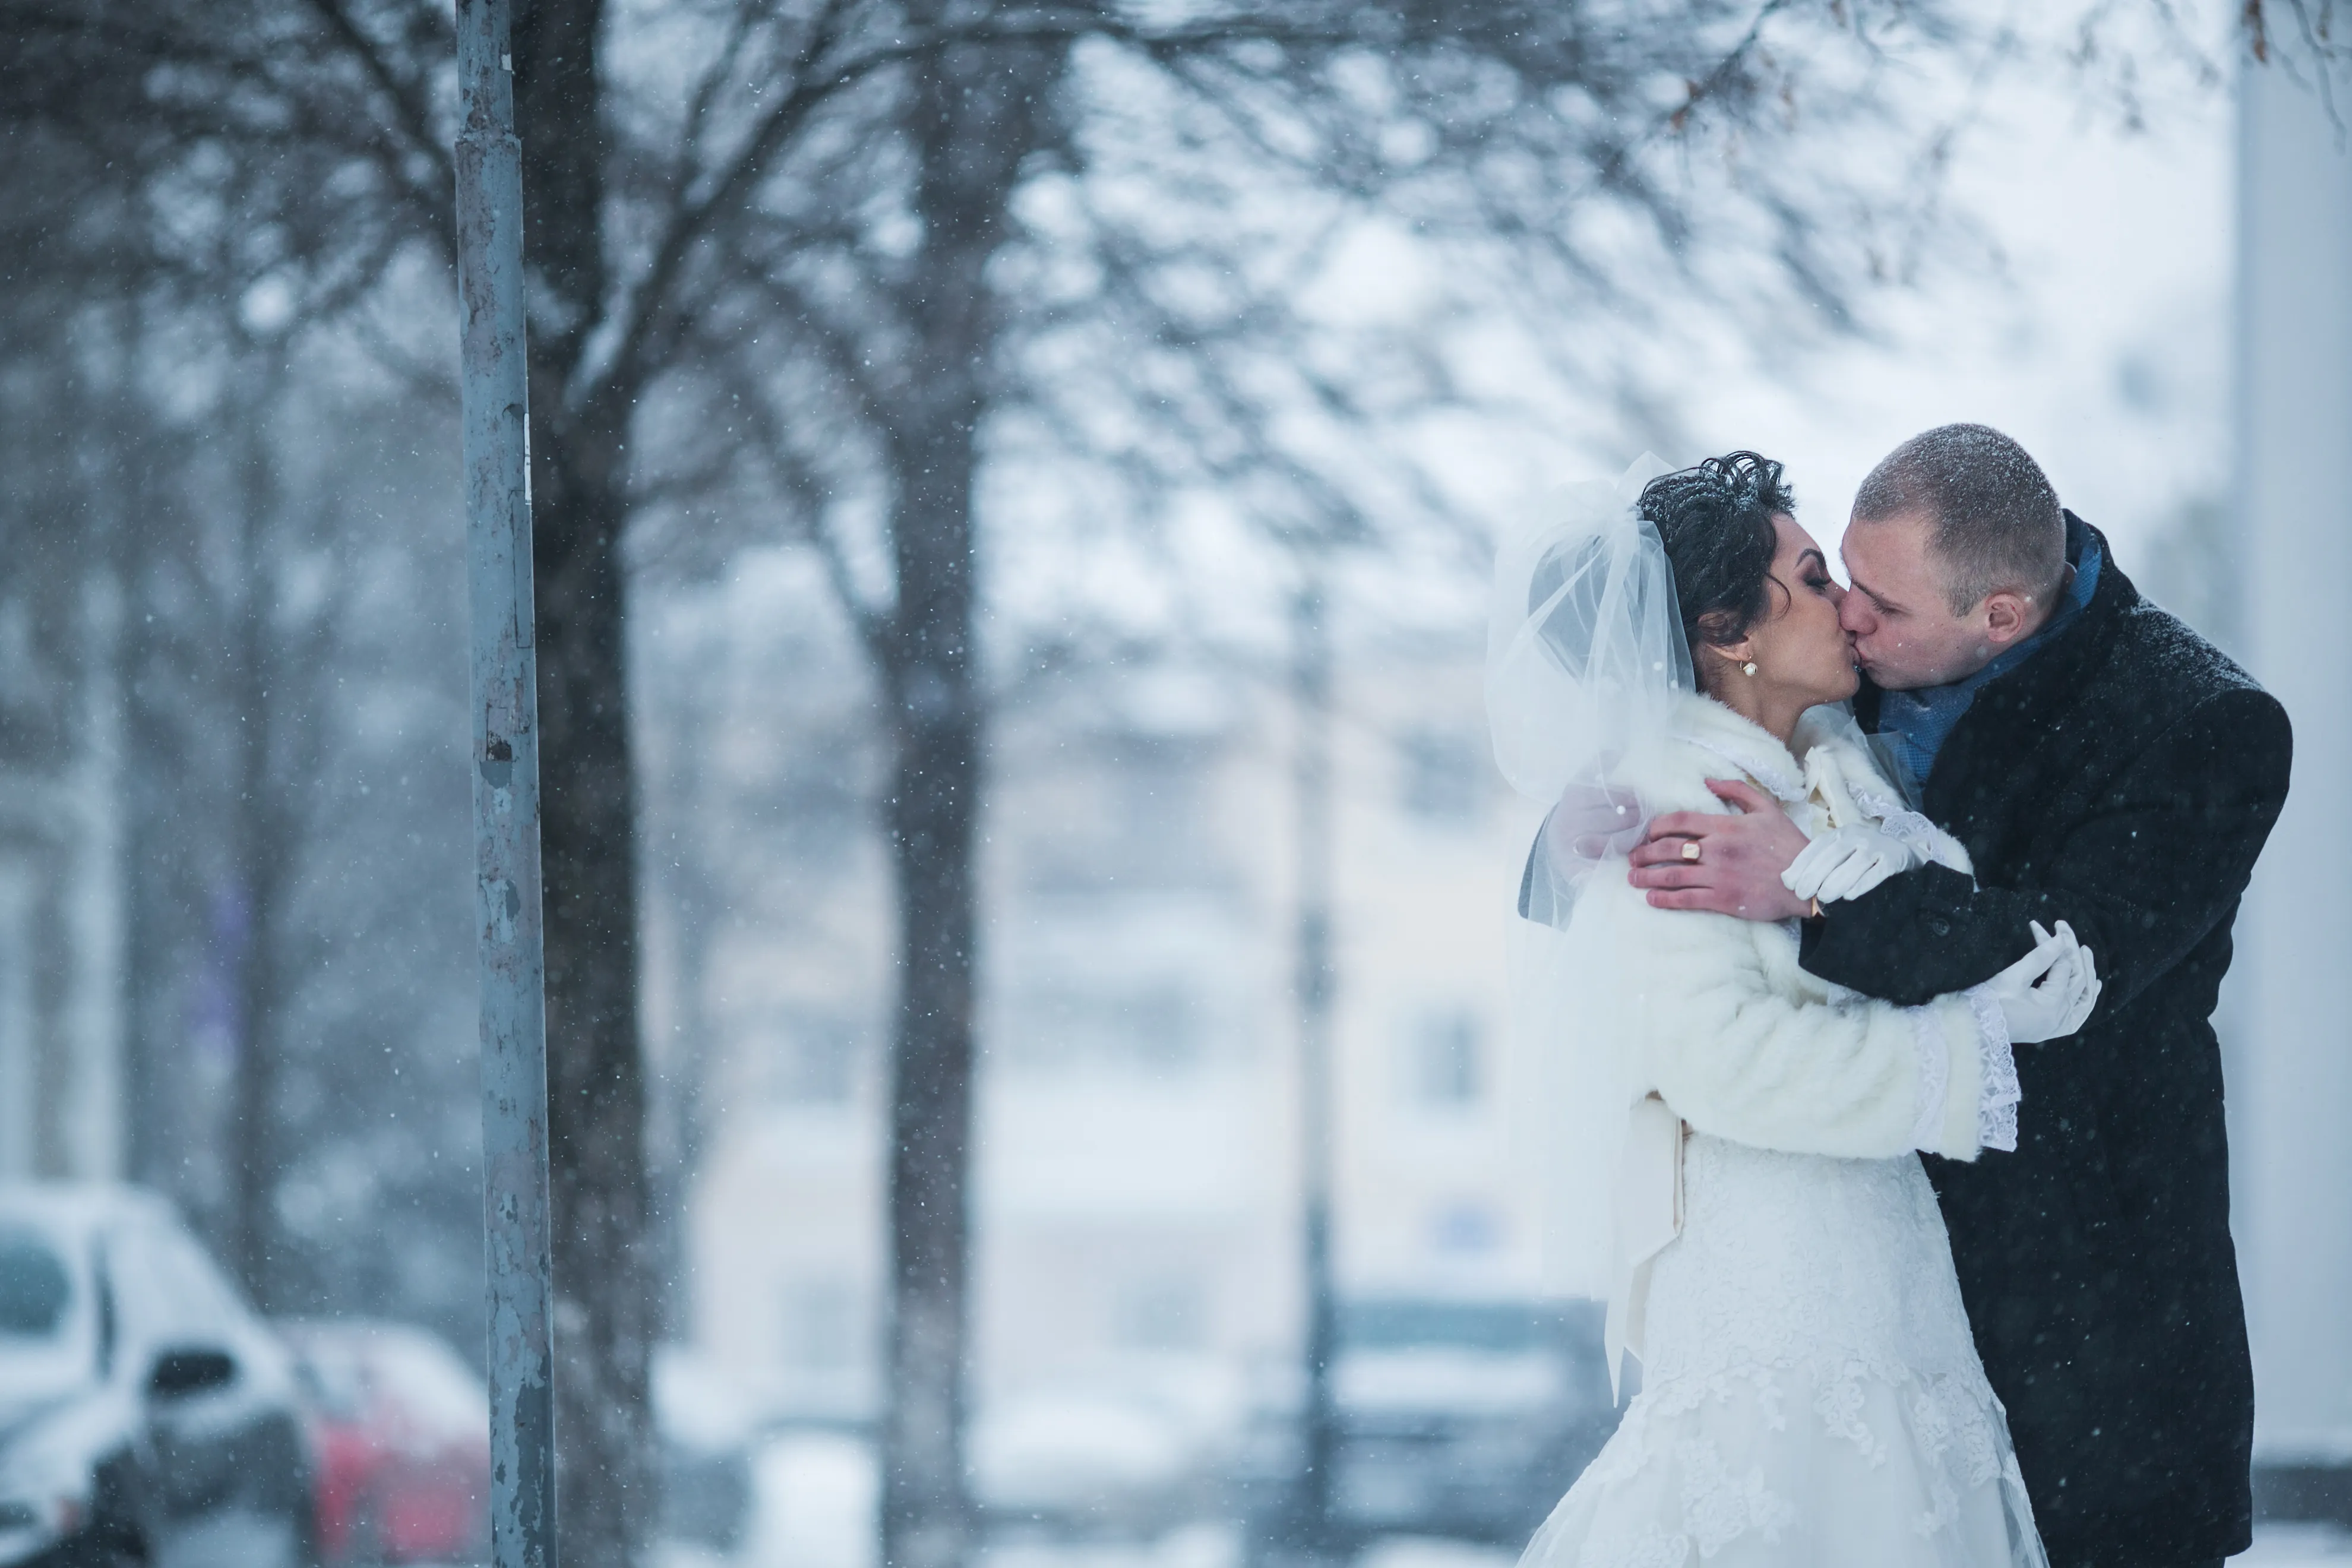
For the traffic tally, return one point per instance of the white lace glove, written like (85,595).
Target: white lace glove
(2048,994)
(1847,863)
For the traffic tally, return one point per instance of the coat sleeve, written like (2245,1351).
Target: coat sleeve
(1739,1058)
(2142,880)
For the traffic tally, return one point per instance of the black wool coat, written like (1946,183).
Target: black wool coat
(2124,779)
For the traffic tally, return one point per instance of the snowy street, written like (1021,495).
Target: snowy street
(815,1495)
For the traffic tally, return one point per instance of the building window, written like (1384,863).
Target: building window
(1133,815)
(1157,1027)
(1152,1029)
(1444,1065)
(1465,1228)
(1155,789)
(815,1063)
(1159,1314)
(1444,776)
(820,1325)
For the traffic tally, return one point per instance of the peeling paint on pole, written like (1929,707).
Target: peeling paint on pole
(506,796)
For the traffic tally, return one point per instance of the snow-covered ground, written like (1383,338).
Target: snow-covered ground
(815,1495)
(2293,1545)
(1419,1551)
(2275,1546)
(1203,1545)
(232,1541)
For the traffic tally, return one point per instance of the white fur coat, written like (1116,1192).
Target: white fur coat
(1736,1038)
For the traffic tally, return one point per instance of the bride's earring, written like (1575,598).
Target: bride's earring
(1750,667)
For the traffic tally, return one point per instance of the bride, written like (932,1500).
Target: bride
(1735,1139)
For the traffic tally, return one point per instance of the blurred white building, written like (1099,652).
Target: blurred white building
(1139,1159)
(2291,1015)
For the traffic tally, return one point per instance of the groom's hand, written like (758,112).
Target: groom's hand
(1740,858)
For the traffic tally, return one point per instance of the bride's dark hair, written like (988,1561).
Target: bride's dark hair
(1715,520)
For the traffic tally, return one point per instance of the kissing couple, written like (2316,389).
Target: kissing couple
(1870,945)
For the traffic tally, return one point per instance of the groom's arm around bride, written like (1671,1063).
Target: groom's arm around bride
(2105,766)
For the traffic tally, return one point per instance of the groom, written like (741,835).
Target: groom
(2107,767)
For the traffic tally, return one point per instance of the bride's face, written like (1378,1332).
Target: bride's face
(1802,657)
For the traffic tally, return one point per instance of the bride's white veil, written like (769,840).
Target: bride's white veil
(1585,662)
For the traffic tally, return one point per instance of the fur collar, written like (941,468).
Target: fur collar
(1711,726)
(1830,767)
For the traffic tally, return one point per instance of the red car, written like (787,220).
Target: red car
(401,1427)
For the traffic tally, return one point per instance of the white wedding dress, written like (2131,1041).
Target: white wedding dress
(1810,1392)
(1735,1140)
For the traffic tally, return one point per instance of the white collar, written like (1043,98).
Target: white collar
(1746,746)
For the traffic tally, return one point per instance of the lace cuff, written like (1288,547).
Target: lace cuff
(1935,1077)
(1998,1100)
(1928,842)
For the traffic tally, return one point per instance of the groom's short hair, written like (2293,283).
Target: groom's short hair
(1993,515)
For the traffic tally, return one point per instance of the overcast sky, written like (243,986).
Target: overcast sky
(2104,349)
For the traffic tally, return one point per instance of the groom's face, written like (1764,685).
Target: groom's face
(1899,611)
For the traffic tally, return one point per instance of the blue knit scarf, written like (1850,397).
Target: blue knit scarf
(1916,724)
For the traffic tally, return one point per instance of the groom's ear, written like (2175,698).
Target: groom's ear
(2008,614)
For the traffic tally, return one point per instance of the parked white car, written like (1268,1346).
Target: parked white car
(142,1402)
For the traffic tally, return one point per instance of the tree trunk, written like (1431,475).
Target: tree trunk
(976,117)
(595,1085)
(596,1110)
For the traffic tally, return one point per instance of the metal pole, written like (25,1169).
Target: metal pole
(506,793)
(1314,1526)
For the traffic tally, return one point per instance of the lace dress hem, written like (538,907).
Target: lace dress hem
(1827,1463)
